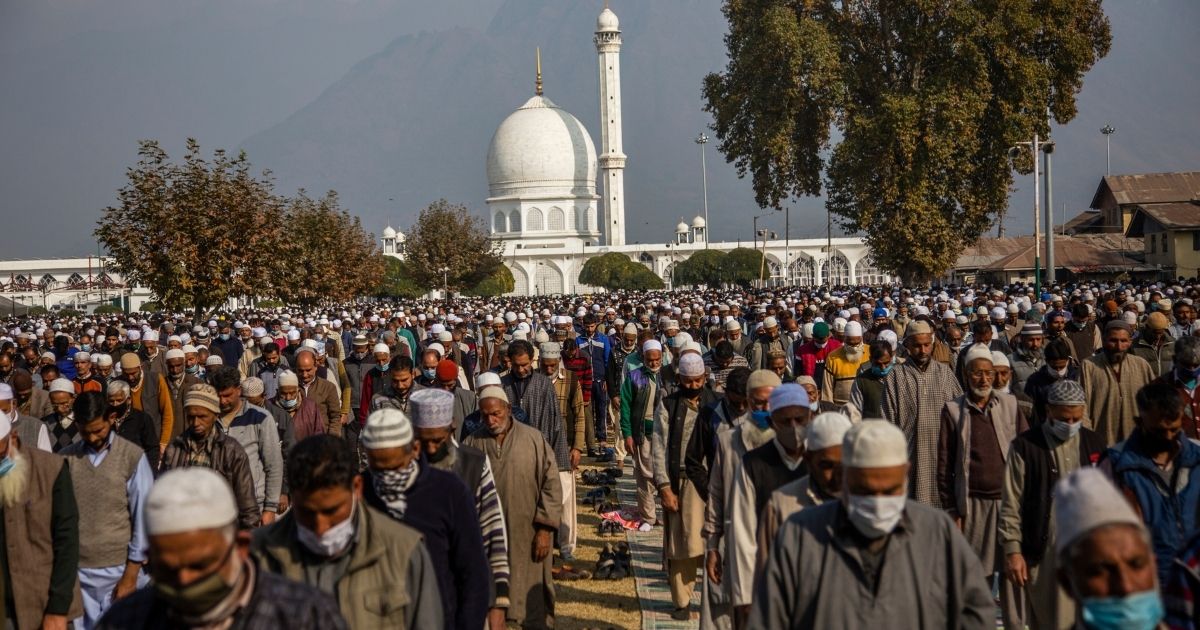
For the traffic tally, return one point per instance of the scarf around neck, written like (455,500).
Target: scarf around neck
(392,487)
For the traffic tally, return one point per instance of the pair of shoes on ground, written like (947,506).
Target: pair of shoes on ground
(597,496)
(614,562)
(567,573)
(606,506)
(597,478)
(610,528)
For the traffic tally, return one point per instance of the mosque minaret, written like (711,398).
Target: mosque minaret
(612,155)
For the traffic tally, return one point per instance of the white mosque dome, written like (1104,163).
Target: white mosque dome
(699,222)
(682,228)
(389,232)
(607,22)
(541,149)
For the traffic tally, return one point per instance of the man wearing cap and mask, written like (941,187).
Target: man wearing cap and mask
(843,364)
(201,580)
(434,425)
(640,396)
(768,339)
(39,539)
(1104,554)
(377,568)
(914,394)
(879,541)
(823,483)
(683,508)
(178,382)
(131,424)
(1030,595)
(977,429)
(60,425)
(436,503)
(378,379)
(810,356)
(203,444)
(526,472)
(111,477)
(1111,379)
(570,403)
(1155,344)
(761,472)
(149,393)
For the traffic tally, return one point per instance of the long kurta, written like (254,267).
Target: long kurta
(929,576)
(913,400)
(526,474)
(1110,390)
(788,499)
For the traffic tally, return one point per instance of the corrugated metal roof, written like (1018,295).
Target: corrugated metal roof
(1082,221)
(1174,215)
(1150,188)
(1083,252)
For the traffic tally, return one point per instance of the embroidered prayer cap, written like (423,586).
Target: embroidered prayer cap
(387,428)
(763,378)
(691,365)
(431,408)
(202,395)
(788,395)
(1066,393)
(253,387)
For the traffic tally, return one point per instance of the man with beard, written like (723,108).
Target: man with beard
(533,395)
(200,578)
(570,404)
(810,356)
(434,423)
(152,356)
(131,424)
(29,429)
(1184,314)
(203,444)
(61,423)
(178,382)
(149,394)
(1028,357)
(880,322)
(490,350)
(434,502)
(39,540)
(1169,502)
(761,472)
(823,483)
(531,498)
(320,390)
(977,429)
(251,347)
(683,508)
(1183,377)
(768,340)
(1059,365)
(640,396)
(914,394)
(843,364)
(1155,344)
(1111,379)
(111,477)
(1083,332)
(268,367)
(255,429)
(736,337)
(394,393)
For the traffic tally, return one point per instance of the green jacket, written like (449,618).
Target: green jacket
(389,581)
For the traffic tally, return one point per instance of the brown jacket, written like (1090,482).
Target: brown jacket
(230,461)
(177,403)
(30,532)
(154,397)
(322,392)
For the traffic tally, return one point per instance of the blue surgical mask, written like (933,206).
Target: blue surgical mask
(85,347)
(192,369)
(1188,377)
(761,418)
(1064,430)
(428,372)
(289,404)
(1139,611)
(878,371)
(6,465)
(224,336)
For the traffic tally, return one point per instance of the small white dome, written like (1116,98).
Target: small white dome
(682,228)
(699,222)
(541,149)
(607,22)
(388,232)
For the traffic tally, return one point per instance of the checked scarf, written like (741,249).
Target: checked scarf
(391,486)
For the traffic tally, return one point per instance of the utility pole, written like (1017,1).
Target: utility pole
(1035,149)
(829,246)
(703,140)
(1049,149)
(1108,131)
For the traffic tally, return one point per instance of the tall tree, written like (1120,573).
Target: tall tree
(702,267)
(447,236)
(396,281)
(742,266)
(330,257)
(615,271)
(927,96)
(194,233)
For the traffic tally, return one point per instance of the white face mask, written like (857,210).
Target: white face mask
(335,539)
(875,516)
(1063,372)
(1064,430)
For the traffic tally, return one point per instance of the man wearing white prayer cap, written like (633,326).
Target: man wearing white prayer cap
(200,579)
(849,563)
(763,471)
(1105,556)
(683,509)
(639,391)
(842,366)
(823,483)
(434,502)
(32,432)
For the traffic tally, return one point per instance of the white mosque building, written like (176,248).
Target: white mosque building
(544,208)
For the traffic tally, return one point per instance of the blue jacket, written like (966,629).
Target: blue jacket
(1169,510)
(599,348)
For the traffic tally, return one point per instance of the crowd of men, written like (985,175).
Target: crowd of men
(872,457)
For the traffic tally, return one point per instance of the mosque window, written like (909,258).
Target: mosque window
(514,221)
(498,223)
(557,221)
(803,272)
(839,270)
(533,221)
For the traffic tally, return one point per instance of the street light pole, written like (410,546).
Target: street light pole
(1048,148)
(703,140)
(1035,149)
(1108,131)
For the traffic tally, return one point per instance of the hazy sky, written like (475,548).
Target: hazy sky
(84,80)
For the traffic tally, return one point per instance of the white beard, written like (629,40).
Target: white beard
(854,354)
(1004,390)
(982,392)
(13,485)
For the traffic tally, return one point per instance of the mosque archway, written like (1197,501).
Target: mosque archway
(803,272)
(836,271)
(548,280)
(520,281)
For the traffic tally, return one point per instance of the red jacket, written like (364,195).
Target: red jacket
(809,360)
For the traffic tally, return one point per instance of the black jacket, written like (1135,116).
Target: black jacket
(676,405)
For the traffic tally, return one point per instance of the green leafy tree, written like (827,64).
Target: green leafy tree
(330,257)
(194,233)
(615,271)
(742,266)
(639,278)
(396,281)
(702,267)
(926,96)
(447,236)
(500,282)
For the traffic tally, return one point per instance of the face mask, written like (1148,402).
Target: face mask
(791,440)
(6,465)
(1062,372)
(198,597)
(881,371)
(1064,430)
(761,418)
(1139,611)
(121,409)
(442,453)
(691,393)
(224,336)
(192,369)
(289,404)
(85,347)
(1188,377)
(333,541)
(428,372)
(874,516)
(359,356)
(820,344)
